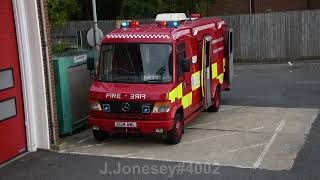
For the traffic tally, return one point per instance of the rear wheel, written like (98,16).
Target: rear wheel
(100,135)
(174,136)
(216,101)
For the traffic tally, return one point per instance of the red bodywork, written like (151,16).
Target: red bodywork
(189,32)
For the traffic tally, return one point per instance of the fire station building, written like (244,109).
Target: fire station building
(24,112)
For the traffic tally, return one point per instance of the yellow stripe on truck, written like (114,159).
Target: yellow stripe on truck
(176,93)
(220,78)
(214,70)
(187,100)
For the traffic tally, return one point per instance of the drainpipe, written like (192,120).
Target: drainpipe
(45,45)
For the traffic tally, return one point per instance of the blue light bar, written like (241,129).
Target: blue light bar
(125,24)
(172,24)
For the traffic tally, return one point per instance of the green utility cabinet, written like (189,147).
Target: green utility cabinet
(72,86)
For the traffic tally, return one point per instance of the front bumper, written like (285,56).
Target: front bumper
(143,126)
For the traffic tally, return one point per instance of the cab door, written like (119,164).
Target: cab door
(206,72)
(12,122)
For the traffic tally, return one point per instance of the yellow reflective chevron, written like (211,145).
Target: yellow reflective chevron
(187,100)
(176,93)
(214,71)
(220,78)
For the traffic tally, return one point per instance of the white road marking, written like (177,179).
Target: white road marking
(147,158)
(221,135)
(83,140)
(129,155)
(247,147)
(308,82)
(290,63)
(87,146)
(155,159)
(267,146)
(93,145)
(198,125)
(233,108)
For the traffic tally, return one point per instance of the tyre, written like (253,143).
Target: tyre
(216,101)
(99,135)
(174,136)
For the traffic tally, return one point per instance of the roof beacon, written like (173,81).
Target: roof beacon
(171,17)
(130,24)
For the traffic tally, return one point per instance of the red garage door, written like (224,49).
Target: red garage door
(12,124)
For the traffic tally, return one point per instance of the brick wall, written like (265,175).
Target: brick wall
(52,127)
(231,7)
(262,6)
(314,4)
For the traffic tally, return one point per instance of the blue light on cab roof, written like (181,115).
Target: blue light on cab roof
(125,24)
(172,24)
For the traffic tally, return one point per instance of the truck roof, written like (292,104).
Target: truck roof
(155,33)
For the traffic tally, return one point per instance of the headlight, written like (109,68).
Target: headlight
(95,105)
(161,107)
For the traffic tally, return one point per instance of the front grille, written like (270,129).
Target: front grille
(134,107)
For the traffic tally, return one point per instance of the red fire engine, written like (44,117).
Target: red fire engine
(156,78)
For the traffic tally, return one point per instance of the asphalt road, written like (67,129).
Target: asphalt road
(272,85)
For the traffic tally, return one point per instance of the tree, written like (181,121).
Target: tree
(131,9)
(149,8)
(61,11)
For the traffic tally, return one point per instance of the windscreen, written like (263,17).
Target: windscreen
(136,63)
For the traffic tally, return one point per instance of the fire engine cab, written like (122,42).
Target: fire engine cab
(155,78)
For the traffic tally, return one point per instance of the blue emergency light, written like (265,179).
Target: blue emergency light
(106,107)
(145,109)
(130,24)
(169,24)
(125,24)
(172,24)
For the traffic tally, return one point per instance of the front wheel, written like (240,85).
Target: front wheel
(216,101)
(174,136)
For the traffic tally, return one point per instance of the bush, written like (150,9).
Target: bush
(58,48)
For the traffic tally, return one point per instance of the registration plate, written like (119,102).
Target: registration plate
(125,124)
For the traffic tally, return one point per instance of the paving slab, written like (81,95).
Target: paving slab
(240,136)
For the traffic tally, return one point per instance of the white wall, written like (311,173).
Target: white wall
(32,73)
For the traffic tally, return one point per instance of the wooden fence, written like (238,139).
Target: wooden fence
(281,35)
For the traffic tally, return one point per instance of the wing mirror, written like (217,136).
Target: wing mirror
(90,64)
(91,67)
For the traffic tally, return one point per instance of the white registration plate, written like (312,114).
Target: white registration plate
(125,124)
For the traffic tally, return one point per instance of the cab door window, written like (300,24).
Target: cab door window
(180,55)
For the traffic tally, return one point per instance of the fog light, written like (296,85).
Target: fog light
(159,130)
(95,128)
